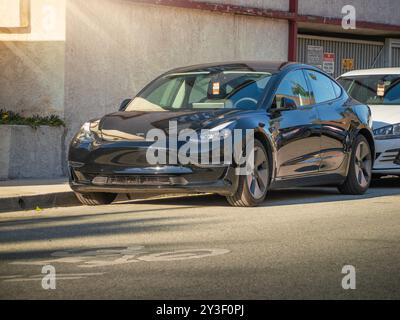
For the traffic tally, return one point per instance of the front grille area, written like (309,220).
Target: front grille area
(390,156)
(397,160)
(139,180)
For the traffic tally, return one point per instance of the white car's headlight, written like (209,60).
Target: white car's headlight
(388,132)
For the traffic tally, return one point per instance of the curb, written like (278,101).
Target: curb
(49,200)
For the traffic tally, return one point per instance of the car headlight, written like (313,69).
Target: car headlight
(388,132)
(85,133)
(220,132)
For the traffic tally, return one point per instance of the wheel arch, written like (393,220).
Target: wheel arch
(371,141)
(266,143)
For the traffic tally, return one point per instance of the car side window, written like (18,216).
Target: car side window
(322,86)
(294,87)
(337,89)
(393,94)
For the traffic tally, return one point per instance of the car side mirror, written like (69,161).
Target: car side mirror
(288,104)
(124,104)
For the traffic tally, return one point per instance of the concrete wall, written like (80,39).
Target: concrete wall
(115,47)
(32,59)
(32,77)
(382,11)
(31,153)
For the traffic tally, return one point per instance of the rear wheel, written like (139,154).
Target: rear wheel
(252,189)
(95,198)
(360,171)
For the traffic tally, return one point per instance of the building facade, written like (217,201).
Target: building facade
(80,58)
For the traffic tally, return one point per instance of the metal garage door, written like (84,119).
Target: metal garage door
(396,57)
(364,54)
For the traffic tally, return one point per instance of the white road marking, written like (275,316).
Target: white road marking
(102,257)
(183,255)
(61,276)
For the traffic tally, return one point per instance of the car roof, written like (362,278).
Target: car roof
(369,72)
(251,66)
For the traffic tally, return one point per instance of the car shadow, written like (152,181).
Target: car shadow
(283,197)
(101,224)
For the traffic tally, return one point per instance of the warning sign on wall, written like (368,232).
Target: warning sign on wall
(329,63)
(315,56)
(348,64)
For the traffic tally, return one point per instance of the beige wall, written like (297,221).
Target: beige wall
(32,60)
(110,57)
(32,77)
(46,20)
(9,13)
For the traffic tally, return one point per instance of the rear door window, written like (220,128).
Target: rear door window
(294,87)
(321,86)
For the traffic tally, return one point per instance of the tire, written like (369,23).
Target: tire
(360,172)
(247,194)
(95,198)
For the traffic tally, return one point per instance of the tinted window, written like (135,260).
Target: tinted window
(322,87)
(337,89)
(293,86)
(373,89)
(393,94)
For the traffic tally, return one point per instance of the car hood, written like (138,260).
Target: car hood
(134,125)
(383,115)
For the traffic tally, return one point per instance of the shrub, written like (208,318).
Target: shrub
(13,118)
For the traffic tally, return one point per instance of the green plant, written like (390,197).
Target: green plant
(14,118)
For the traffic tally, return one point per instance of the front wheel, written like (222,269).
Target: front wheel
(360,172)
(252,189)
(95,198)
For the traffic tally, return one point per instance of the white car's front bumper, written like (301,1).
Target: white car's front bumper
(388,157)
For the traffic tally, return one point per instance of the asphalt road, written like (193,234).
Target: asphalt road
(200,248)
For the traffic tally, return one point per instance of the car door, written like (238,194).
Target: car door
(329,104)
(295,128)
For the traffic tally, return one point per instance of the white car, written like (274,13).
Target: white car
(380,89)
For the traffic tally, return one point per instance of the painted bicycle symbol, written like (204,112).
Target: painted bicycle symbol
(111,256)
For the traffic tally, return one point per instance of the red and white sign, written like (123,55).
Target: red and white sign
(329,63)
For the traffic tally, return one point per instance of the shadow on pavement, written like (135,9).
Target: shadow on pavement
(282,197)
(92,225)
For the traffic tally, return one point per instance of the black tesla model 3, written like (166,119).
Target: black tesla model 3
(297,127)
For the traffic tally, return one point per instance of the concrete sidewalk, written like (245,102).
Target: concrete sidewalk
(29,194)
(17,195)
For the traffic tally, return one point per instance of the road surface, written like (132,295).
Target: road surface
(292,247)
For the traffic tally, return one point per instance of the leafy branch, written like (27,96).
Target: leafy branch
(13,118)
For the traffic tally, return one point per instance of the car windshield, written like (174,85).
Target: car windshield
(203,90)
(373,89)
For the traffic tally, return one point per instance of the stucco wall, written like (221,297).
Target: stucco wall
(45,20)
(32,59)
(382,11)
(32,77)
(115,47)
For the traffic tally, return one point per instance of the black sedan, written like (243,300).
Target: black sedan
(237,129)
